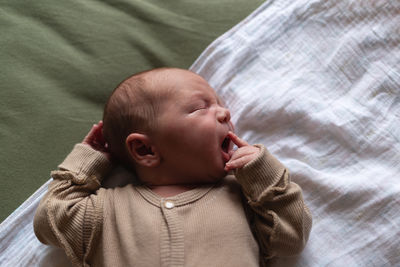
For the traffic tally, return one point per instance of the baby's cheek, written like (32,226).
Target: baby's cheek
(231,126)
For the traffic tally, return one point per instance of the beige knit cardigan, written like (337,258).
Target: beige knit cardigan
(242,221)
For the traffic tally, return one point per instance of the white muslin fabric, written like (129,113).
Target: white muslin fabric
(318,83)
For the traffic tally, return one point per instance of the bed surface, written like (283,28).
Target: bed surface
(316,82)
(59,62)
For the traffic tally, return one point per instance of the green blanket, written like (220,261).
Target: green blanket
(59,61)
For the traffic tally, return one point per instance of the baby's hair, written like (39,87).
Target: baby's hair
(133,106)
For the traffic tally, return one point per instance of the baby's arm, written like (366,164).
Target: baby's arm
(70,213)
(279,218)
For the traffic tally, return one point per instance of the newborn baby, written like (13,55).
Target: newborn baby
(199,202)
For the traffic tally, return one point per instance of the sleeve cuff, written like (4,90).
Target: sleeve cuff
(86,161)
(259,174)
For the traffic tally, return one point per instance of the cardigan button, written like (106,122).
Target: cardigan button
(169,204)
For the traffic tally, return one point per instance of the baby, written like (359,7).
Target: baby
(169,126)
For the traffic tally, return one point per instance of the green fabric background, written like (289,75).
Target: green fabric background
(59,60)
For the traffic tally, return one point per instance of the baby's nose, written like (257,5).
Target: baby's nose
(223,115)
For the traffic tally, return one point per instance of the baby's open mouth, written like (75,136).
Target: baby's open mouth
(225,144)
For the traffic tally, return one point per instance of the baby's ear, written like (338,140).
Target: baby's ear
(142,150)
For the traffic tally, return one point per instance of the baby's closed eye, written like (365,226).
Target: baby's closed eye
(198,106)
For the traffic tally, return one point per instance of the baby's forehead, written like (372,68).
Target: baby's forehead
(178,83)
(205,93)
(194,90)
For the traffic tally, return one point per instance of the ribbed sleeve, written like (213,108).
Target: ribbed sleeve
(261,173)
(85,161)
(70,213)
(280,219)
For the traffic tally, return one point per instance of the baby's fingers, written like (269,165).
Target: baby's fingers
(99,133)
(93,134)
(236,140)
(238,163)
(89,137)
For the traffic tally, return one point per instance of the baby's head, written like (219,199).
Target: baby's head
(170,125)
(133,106)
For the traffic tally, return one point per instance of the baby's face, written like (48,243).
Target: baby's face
(193,129)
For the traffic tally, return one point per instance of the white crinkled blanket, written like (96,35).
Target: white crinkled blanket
(317,82)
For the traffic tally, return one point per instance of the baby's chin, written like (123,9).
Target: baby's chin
(220,175)
(212,178)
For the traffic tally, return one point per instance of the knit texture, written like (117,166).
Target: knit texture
(242,221)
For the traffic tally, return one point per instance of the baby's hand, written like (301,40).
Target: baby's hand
(244,154)
(96,140)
